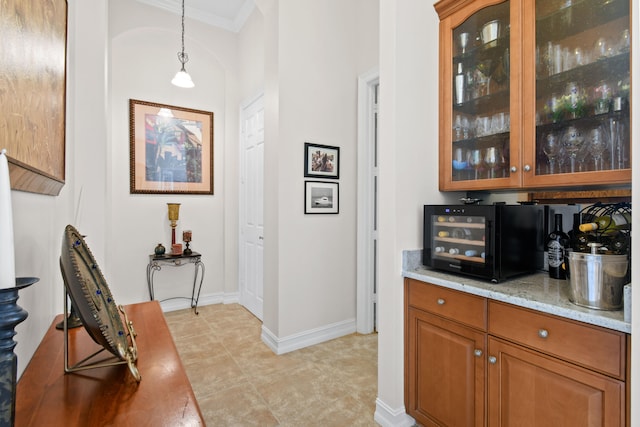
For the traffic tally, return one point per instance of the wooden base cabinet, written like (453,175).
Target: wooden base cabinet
(470,361)
(446,383)
(445,359)
(527,388)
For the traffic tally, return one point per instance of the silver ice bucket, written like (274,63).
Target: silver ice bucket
(597,281)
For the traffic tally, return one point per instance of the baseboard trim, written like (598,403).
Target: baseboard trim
(209,299)
(307,338)
(389,417)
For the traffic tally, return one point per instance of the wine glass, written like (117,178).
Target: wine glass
(460,160)
(485,69)
(475,160)
(491,159)
(551,147)
(572,141)
(598,143)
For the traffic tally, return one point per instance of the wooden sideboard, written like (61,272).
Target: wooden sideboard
(108,396)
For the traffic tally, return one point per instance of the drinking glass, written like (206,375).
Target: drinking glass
(460,160)
(491,159)
(457,127)
(572,141)
(463,41)
(551,147)
(598,143)
(466,128)
(485,67)
(475,160)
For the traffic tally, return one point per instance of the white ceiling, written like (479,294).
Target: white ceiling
(226,14)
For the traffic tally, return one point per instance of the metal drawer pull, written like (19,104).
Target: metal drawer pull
(477,352)
(492,360)
(543,333)
(440,301)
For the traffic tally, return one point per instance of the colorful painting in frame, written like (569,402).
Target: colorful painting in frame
(171,149)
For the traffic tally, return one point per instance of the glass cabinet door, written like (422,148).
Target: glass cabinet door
(582,85)
(481,114)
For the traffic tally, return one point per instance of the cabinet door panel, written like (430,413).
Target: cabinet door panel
(446,374)
(480,107)
(527,388)
(577,65)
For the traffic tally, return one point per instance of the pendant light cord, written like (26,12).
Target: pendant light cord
(183,57)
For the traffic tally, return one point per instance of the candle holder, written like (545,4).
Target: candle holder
(174,213)
(186,238)
(11,314)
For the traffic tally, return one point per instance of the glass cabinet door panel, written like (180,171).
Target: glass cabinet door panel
(480,133)
(582,72)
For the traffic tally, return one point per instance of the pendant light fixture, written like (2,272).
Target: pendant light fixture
(182,78)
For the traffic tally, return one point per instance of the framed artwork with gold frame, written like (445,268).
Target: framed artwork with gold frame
(171,149)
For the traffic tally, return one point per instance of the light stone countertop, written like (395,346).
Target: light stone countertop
(535,291)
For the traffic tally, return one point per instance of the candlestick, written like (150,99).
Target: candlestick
(7,256)
(11,314)
(174,212)
(186,237)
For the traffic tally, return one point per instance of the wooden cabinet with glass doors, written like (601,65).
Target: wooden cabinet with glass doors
(534,94)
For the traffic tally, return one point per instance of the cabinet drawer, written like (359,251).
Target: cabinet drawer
(458,306)
(590,346)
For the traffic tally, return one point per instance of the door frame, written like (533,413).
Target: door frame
(365,296)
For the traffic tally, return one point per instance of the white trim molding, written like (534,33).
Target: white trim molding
(307,338)
(366,205)
(174,304)
(389,417)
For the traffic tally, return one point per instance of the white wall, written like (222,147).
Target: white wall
(408,174)
(310,262)
(144,43)
(251,45)
(39,220)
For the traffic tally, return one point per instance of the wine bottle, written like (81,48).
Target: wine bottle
(556,245)
(579,240)
(605,223)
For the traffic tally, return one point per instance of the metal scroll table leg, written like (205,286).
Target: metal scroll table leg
(151,269)
(196,296)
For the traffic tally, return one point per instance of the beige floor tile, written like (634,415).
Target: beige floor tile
(239,381)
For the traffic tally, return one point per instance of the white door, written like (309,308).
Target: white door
(251,205)
(367,278)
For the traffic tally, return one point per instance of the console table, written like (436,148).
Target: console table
(157,261)
(108,396)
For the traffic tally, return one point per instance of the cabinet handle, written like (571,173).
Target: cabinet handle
(514,169)
(527,168)
(492,360)
(477,352)
(543,333)
(441,301)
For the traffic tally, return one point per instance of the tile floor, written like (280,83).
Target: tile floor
(239,381)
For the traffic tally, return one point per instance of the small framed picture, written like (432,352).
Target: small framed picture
(321,197)
(321,161)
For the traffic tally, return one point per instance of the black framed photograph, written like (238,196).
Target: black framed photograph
(321,161)
(321,197)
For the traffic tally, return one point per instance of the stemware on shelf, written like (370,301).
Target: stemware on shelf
(475,160)
(572,141)
(597,144)
(551,147)
(491,159)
